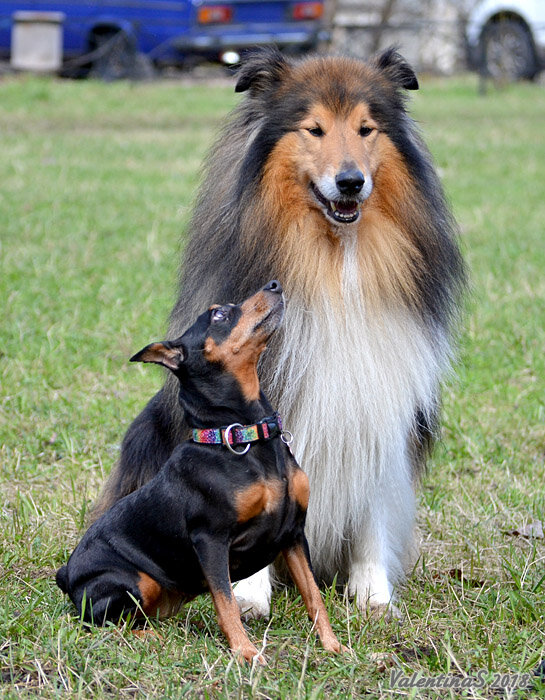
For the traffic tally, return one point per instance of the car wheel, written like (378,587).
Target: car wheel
(116,56)
(507,51)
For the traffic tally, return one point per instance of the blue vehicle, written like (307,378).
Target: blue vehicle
(106,35)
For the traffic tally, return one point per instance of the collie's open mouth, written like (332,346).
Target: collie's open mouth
(343,211)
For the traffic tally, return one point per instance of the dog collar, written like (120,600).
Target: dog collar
(238,434)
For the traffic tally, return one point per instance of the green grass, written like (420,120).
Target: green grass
(97,183)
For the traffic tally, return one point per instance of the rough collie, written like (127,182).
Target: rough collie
(320,179)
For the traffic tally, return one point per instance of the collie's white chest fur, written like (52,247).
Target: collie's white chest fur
(348,385)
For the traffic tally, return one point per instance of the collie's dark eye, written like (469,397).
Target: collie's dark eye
(316,131)
(365,130)
(219,315)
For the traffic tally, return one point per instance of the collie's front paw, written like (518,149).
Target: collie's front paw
(252,606)
(373,594)
(383,611)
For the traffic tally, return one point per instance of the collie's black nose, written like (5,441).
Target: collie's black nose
(349,181)
(273,286)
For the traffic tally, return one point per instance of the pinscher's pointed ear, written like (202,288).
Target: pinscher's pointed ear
(396,69)
(260,70)
(168,354)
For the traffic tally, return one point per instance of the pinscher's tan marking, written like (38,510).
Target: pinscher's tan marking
(146,633)
(157,352)
(299,489)
(263,496)
(240,352)
(156,600)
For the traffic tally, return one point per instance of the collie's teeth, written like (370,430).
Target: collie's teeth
(333,207)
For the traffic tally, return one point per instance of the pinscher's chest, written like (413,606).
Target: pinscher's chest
(270,515)
(264,490)
(271,497)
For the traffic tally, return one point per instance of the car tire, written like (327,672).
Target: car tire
(507,51)
(118,58)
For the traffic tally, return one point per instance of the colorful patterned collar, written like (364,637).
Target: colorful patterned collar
(238,434)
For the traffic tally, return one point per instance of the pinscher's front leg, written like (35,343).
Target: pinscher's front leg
(214,560)
(298,564)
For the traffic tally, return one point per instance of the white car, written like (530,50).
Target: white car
(506,40)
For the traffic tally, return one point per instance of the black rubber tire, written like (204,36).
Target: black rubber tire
(507,51)
(118,57)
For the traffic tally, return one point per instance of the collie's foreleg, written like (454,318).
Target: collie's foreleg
(383,546)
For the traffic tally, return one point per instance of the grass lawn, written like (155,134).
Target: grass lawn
(97,183)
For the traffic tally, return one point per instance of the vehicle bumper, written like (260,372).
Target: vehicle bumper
(232,39)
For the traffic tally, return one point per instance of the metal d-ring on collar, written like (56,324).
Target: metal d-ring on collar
(226,439)
(286,437)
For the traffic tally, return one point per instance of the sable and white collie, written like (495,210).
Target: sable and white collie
(321,180)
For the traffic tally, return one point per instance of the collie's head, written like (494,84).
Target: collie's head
(328,124)
(332,163)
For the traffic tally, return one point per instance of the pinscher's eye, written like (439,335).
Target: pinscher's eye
(219,315)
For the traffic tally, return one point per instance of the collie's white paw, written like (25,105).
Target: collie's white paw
(373,592)
(379,611)
(253,595)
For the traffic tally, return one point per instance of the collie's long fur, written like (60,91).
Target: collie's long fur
(321,180)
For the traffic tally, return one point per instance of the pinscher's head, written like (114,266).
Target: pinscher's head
(216,359)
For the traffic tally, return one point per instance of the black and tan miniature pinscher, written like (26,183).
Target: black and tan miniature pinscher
(226,503)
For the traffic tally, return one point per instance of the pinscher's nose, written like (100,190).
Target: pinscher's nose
(273,286)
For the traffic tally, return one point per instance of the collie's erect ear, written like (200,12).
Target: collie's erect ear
(167,354)
(396,68)
(260,70)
